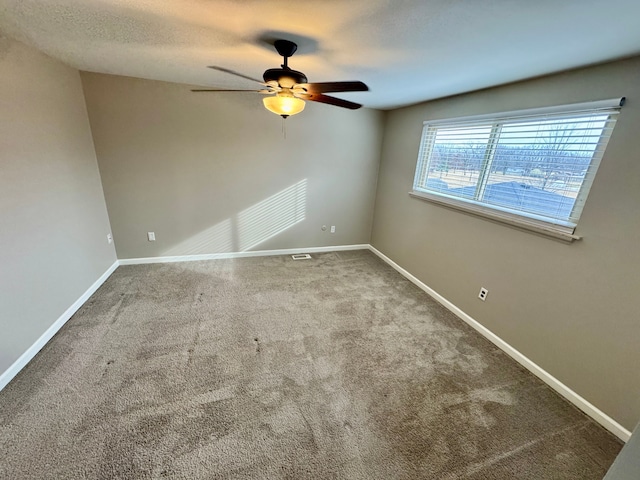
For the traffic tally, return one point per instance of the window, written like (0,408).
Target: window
(532,168)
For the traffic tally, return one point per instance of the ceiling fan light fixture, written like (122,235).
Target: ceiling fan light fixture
(283,105)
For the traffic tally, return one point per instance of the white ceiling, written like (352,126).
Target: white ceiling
(407,51)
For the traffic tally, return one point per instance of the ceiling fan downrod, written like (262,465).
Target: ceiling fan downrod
(286,49)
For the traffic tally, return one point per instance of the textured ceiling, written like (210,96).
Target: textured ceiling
(405,50)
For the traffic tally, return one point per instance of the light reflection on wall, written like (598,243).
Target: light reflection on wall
(215,239)
(250,227)
(271,216)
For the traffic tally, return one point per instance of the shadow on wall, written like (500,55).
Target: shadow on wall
(250,227)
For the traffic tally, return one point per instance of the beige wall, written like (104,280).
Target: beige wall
(212,173)
(571,308)
(53,220)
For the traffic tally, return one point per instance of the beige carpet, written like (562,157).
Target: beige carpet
(266,368)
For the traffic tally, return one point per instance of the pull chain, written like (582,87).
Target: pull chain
(284,128)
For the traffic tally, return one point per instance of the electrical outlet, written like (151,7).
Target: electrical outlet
(109,238)
(151,236)
(483,294)
(333,229)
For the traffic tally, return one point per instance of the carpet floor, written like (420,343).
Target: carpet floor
(267,368)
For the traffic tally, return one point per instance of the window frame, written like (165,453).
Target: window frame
(556,228)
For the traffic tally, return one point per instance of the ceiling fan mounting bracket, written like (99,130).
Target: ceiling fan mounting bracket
(285,48)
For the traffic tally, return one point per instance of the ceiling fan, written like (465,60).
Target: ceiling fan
(288,89)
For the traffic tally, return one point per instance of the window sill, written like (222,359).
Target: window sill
(559,232)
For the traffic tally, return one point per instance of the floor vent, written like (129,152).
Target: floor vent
(301,256)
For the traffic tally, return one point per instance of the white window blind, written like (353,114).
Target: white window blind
(536,163)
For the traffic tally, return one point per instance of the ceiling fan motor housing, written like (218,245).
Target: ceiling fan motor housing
(285,77)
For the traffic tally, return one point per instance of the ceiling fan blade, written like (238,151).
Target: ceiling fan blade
(217,90)
(338,102)
(226,70)
(324,87)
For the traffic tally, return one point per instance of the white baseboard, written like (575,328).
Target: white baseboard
(257,253)
(26,357)
(588,408)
